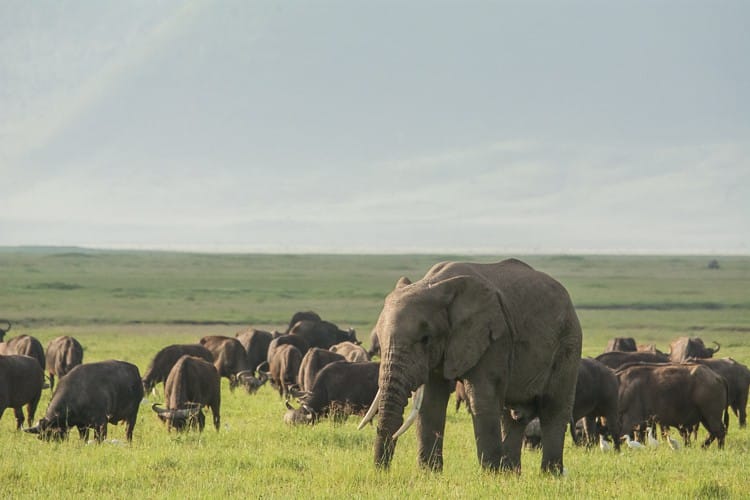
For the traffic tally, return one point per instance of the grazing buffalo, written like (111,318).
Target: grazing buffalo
(597,391)
(21,382)
(192,384)
(322,334)
(256,344)
(63,354)
(302,316)
(617,359)
(683,348)
(673,395)
(230,359)
(299,342)
(28,345)
(353,353)
(624,344)
(737,376)
(283,368)
(159,368)
(312,362)
(340,389)
(90,396)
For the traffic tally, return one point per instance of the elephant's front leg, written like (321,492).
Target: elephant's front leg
(431,422)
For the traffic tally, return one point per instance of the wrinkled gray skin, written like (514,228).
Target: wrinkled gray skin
(508,332)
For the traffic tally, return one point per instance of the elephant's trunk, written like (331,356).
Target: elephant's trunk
(395,390)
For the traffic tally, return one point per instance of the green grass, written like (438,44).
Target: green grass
(127,305)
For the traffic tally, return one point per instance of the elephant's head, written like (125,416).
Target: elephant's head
(426,326)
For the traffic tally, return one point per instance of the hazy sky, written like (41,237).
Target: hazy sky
(523,126)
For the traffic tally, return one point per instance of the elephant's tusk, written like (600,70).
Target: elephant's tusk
(371,412)
(418,396)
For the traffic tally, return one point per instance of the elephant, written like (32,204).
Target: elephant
(509,333)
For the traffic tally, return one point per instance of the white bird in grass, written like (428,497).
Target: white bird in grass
(604,444)
(632,444)
(673,443)
(652,441)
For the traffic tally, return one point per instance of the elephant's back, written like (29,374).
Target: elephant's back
(499,274)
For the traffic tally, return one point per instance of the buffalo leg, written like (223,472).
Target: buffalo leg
(19,417)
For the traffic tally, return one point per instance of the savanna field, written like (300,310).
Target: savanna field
(128,305)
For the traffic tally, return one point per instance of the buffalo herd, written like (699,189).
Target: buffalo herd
(621,393)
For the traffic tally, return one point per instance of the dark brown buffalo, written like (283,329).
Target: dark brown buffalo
(159,368)
(256,344)
(737,376)
(340,389)
(21,382)
(299,342)
(28,345)
(624,344)
(673,395)
(597,391)
(283,368)
(617,359)
(192,384)
(323,334)
(230,359)
(302,316)
(683,348)
(312,362)
(63,354)
(89,397)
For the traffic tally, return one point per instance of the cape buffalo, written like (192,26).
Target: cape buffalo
(596,396)
(617,359)
(299,342)
(683,348)
(159,368)
(624,344)
(28,345)
(737,376)
(339,390)
(63,354)
(90,396)
(283,368)
(674,396)
(312,362)
(230,358)
(256,344)
(322,334)
(301,316)
(21,382)
(353,353)
(192,384)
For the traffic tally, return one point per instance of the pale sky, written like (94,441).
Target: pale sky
(353,126)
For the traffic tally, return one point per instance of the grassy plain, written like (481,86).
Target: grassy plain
(127,305)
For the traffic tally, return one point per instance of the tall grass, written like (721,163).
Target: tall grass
(128,305)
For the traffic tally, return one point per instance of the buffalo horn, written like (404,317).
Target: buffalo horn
(718,346)
(160,411)
(418,396)
(371,412)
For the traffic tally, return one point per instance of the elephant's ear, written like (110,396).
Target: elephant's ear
(477,317)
